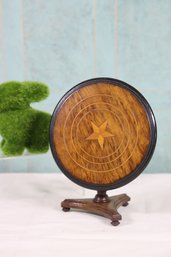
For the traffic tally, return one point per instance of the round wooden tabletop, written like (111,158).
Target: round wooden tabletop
(102,134)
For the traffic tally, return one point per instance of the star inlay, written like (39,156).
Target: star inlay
(99,133)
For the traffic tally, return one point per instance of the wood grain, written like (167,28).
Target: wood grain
(101,133)
(107,209)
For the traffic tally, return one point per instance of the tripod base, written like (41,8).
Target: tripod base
(100,205)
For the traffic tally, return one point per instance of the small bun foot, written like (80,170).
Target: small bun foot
(115,222)
(65,209)
(125,204)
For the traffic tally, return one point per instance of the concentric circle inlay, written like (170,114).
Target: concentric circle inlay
(101,133)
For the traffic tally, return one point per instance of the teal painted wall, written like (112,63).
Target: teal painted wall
(65,42)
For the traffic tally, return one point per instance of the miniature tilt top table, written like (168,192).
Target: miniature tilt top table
(102,136)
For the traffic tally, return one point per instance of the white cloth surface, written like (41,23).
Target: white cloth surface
(32,223)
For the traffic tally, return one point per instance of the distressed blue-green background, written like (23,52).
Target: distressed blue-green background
(63,42)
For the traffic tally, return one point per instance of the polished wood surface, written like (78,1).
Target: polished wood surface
(101,133)
(101,207)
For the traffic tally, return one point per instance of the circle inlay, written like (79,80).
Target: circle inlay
(103,133)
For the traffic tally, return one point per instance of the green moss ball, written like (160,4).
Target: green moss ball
(21,126)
